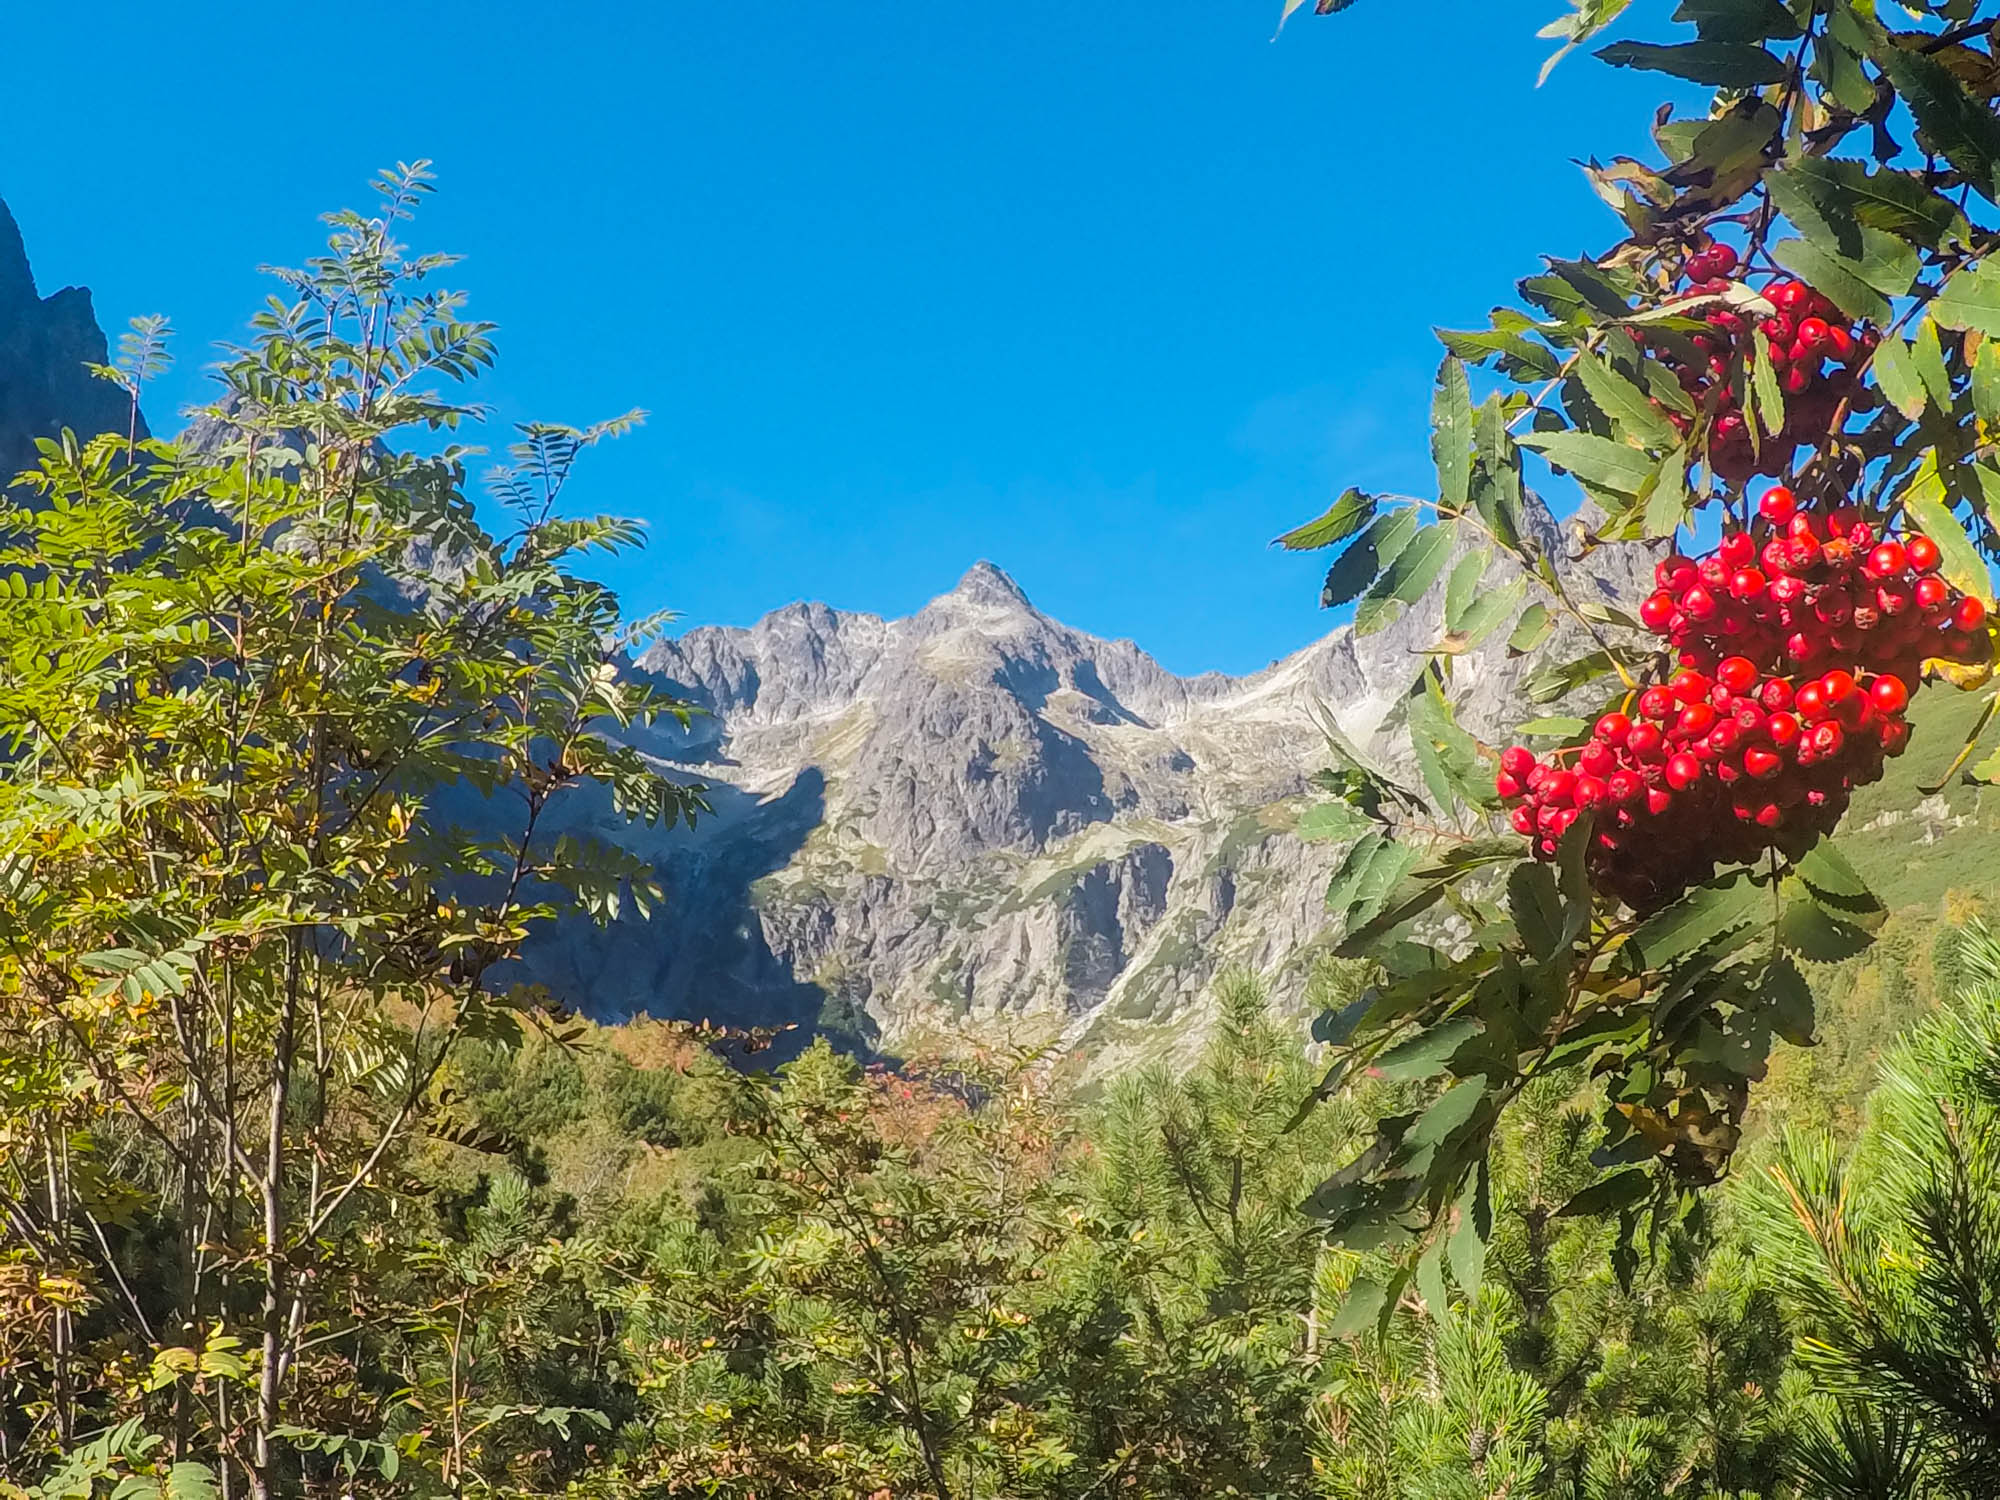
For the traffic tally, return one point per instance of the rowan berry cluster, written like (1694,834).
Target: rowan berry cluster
(1801,641)
(1815,352)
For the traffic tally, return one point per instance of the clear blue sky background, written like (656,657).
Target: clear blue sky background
(1108,293)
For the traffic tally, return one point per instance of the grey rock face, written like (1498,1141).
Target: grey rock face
(977,813)
(44,345)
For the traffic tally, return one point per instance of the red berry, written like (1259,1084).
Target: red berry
(1775,694)
(1838,686)
(1723,258)
(1698,603)
(1517,762)
(1695,720)
(1523,819)
(1923,553)
(1811,701)
(1645,742)
(1887,560)
(1560,787)
(1931,591)
(1888,694)
(1746,583)
(1658,800)
(1737,550)
(1590,790)
(1597,759)
(1656,611)
(1506,787)
(1770,815)
(1783,728)
(1813,332)
(1613,728)
(1674,573)
(1969,615)
(1683,771)
(1737,673)
(1688,686)
(1895,736)
(1656,703)
(1827,737)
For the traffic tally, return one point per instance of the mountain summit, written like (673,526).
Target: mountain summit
(45,343)
(977,811)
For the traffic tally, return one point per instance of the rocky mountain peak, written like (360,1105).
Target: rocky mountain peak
(45,344)
(988,587)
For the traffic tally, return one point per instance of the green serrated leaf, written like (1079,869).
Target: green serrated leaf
(1986,383)
(1723,64)
(1486,614)
(1738,20)
(1537,908)
(1347,515)
(1764,381)
(1561,679)
(1970,299)
(1530,630)
(1361,1309)
(1608,1195)
(1595,460)
(1356,569)
(1467,1249)
(1448,1112)
(1927,355)
(1461,590)
(1722,905)
(1333,822)
(1667,506)
(1563,726)
(1452,435)
(1826,870)
(1630,408)
(1430,1279)
(1404,579)
(1426,1054)
(1811,931)
(1896,375)
(1789,999)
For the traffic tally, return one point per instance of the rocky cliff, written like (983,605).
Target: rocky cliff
(978,813)
(45,343)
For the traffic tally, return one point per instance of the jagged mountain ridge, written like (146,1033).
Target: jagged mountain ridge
(45,345)
(977,811)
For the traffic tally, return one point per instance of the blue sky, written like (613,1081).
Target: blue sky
(1110,294)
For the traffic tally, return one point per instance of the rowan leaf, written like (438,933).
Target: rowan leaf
(1452,435)
(1723,64)
(1599,461)
(1347,515)
(1970,298)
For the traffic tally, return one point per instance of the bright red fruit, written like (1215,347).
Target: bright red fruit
(1970,614)
(1613,728)
(1737,673)
(1517,762)
(1923,553)
(1778,505)
(1683,771)
(1887,560)
(1888,694)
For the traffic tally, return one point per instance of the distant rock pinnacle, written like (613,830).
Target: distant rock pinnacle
(44,345)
